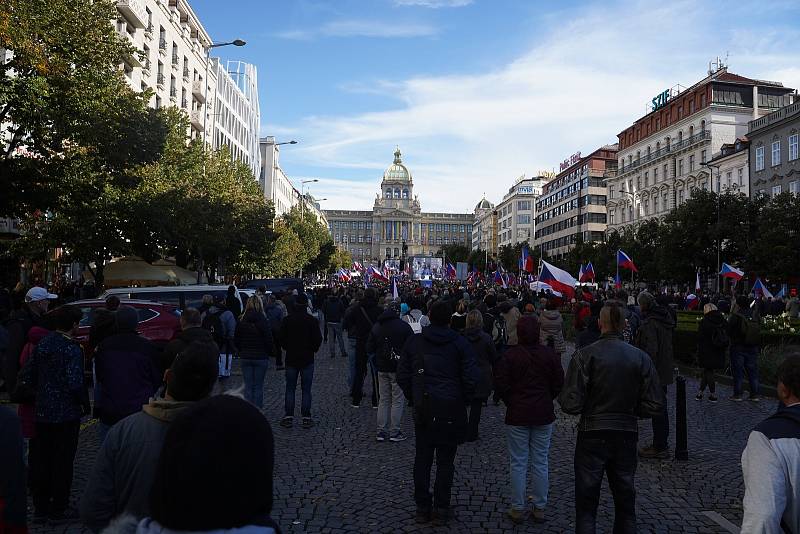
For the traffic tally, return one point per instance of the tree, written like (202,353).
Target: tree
(313,235)
(776,252)
(454,253)
(283,259)
(342,259)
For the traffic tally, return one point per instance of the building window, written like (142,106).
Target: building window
(793,139)
(793,187)
(655,175)
(646,207)
(691,163)
(760,158)
(655,204)
(776,190)
(646,178)
(703,157)
(405,193)
(665,175)
(740,172)
(728,178)
(776,153)
(680,196)
(523,219)
(680,167)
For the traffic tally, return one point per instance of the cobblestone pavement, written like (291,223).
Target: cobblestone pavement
(334,478)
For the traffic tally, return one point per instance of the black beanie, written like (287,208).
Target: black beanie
(215,470)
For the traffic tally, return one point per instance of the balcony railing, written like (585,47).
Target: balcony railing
(669,149)
(198,90)
(186,74)
(160,80)
(162,46)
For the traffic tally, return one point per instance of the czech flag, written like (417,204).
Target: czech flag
(729,271)
(559,279)
(617,282)
(587,273)
(526,261)
(580,273)
(692,301)
(358,267)
(344,276)
(623,260)
(451,271)
(759,287)
(375,273)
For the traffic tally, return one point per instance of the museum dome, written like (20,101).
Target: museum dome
(484,205)
(397,171)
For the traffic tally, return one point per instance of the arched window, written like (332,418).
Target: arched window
(691,131)
(702,125)
(405,193)
(680,135)
(648,150)
(658,146)
(397,193)
(388,193)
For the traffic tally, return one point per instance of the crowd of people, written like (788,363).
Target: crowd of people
(445,351)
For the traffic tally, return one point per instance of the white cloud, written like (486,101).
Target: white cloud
(574,90)
(361,28)
(434,4)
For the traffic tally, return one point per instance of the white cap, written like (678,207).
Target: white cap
(36,294)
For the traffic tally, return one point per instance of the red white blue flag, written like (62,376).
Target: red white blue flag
(623,260)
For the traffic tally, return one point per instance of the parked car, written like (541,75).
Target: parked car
(181,297)
(275,285)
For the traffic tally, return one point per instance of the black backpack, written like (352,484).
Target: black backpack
(751,330)
(387,357)
(213,323)
(720,338)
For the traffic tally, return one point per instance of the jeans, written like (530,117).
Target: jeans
(708,380)
(306,377)
(351,356)
(335,333)
(615,454)
(51,467)
(661,426)
(744,359)
(362,364)
(474,421)
(391,402)
(253,373)
(445,470)
(529,444)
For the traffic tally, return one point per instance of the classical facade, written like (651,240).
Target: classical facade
(396,219)
(484,231)
(731,170)
(775,152)
(515,213)
(664,155)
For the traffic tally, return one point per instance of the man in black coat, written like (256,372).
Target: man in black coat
(333,309)
(300,336)
(438,372)
(360,319)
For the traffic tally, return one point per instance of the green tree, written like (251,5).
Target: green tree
(454,253)
(776,251)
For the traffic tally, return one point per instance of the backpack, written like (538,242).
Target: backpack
(414,324)
(632,322)
(499,335)
(387,357)
(213,323)
(751,331)
(720,338)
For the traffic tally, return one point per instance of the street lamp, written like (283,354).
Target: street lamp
(303,196)
(235,42)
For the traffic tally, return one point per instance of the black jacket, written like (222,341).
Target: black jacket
(451,367)
(588,335)
(655,338)
(253,336)
(392,329)
(300,337)
(183,340)
(333,309)
(17,325)
(361,322)
(709,356)
(486,353)
(610,384)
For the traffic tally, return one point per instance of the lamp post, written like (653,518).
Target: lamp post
(303,196)
(235,42)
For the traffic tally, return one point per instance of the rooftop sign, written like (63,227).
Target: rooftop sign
(661,99)
(572,160)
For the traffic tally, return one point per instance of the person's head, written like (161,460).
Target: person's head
(440,313)
(67,319)
(127,319)
(369,294)
(646,301)
(551,305)
(621,295)
(193,372)
(612,318)
(789,379)
(475,319)
(38,300)
(231,291)
(528,330)
(461,307)
(490,300)
(216,467)
(254,304)
(190,318)
(708,308)
(208,300)
(300,302)
(112,302)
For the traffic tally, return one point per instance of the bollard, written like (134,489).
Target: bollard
(681,433)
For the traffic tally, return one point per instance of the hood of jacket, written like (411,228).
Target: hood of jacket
(551,314)
(528,330)
(714,318)
(473,334)
(387,315)
(660,314)
(36,333)
(195,333)
(165,410)
(439,335)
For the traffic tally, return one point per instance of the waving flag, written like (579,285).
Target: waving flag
(499,278)
(395,294)
(588,273)
(561,280)
(376,274)
(782,292)
(729,271)
(580,273)
(526,261)
(451,271)
(759,287)
(344,276)
(692,301)
(623,260)
(358,267)
(617,282)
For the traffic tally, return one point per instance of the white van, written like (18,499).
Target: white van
(181,296)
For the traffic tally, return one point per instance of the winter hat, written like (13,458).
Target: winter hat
(215,470)
(404,308)
(646,300)
(127,319)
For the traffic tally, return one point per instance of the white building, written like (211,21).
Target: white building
(515,213)
(664,155)
(274,183)
(484,230)
(731,165)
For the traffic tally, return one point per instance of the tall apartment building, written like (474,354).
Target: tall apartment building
(664,155)
(274,183)
(171,59)
(573,204)
(484,231)
(775,152)
(515,213)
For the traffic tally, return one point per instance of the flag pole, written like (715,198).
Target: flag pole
(616,260)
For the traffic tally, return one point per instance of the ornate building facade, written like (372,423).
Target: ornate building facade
(397,218)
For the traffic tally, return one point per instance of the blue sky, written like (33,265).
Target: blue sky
(478,92)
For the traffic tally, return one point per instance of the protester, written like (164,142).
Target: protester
(301,338)
(458,320)
(510,315)
(125,466)
(552,327)
(191,331)
(487,357)
(362,317)
(712,343)
(771,461)
(26,409)
(103,321)
(610,384)
(254,343)
(793,307)
(275,313)
(654,336)
(591,332)
(744,328)
(127,372)
(54,374)
(438,372)
(13,501)
(386,341)
(528,378)
(221,322)
(349,326)
(333,310)
(197,488)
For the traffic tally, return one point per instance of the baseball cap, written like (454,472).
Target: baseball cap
(37,293)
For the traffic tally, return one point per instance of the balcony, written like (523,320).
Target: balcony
(160,80)
(162,46)
(671,149)
(134,11)
(133,58)
(146,66)
(774,117)
(175,62)
(196,118)
(186,76)
(198,90)
(148,32)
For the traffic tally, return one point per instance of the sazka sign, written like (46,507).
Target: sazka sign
(661,99)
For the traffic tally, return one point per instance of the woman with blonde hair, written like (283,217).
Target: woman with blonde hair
(254,341)
(712,344)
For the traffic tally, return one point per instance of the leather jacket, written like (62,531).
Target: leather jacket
(611,384)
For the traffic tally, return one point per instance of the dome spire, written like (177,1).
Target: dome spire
(397,155)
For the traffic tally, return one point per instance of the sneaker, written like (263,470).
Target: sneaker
(712,398)
(423,515)
(538,515)
(354,405)
(654,454)
(517,516)
(754,398)
(307,422)
(736,398)
(398,437)
(699,396)
(67,516)
(380,437)
(287,421)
